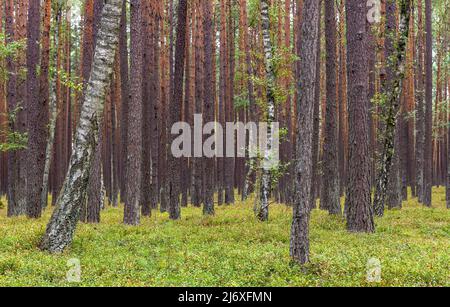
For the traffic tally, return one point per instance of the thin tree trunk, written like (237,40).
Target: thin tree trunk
(199,75)
(208,110)
(45,91)
(61,229)
(11,99)
(330,187)
(175,112)
(21,109)
(124,88)
(316,184)
(396,65)
(262,208)
(420,119)
(148,98)
(428,182)
(134,158)
(229,162)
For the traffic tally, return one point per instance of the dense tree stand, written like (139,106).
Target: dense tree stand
(216,112)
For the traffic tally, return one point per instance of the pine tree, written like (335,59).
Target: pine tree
(134,156)
(359,209)
(330,189)
(306,97)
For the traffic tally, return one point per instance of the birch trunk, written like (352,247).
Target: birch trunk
(397,62)
(49,149)
(61,229)
(262,207)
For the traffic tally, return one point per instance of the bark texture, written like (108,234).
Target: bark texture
(208,180)
(36,123)
(330,186)
(48,92)
(396,74)
(420,107)
(359,208)
(428,150)
(134,157)
(175,110)
(61,229)
(262,209)
(306,97)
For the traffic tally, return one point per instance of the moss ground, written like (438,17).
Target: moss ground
(233,249)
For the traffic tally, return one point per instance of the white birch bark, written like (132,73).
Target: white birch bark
(262,208)
(61,229)
(51,134)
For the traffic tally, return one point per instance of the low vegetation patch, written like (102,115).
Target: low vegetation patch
(233,249)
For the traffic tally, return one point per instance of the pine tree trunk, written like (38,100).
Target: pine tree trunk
(229,162)
(428,182)
(306,97)
(36,123)
(61,229)
(154,120)
(21,123)
(13,209)
(134,157)
(342,92)
(175,111)
(148,99)
(208,109)
(420,119)
(316,185)
(199,74)
(330,186)
(124,88)
(359,209)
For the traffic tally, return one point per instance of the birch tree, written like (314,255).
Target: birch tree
(396,61)
(61,229)
(52,113)
(262,207)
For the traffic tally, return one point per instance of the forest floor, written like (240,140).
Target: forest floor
(233,249)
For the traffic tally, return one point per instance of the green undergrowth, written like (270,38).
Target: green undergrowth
(233,249)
